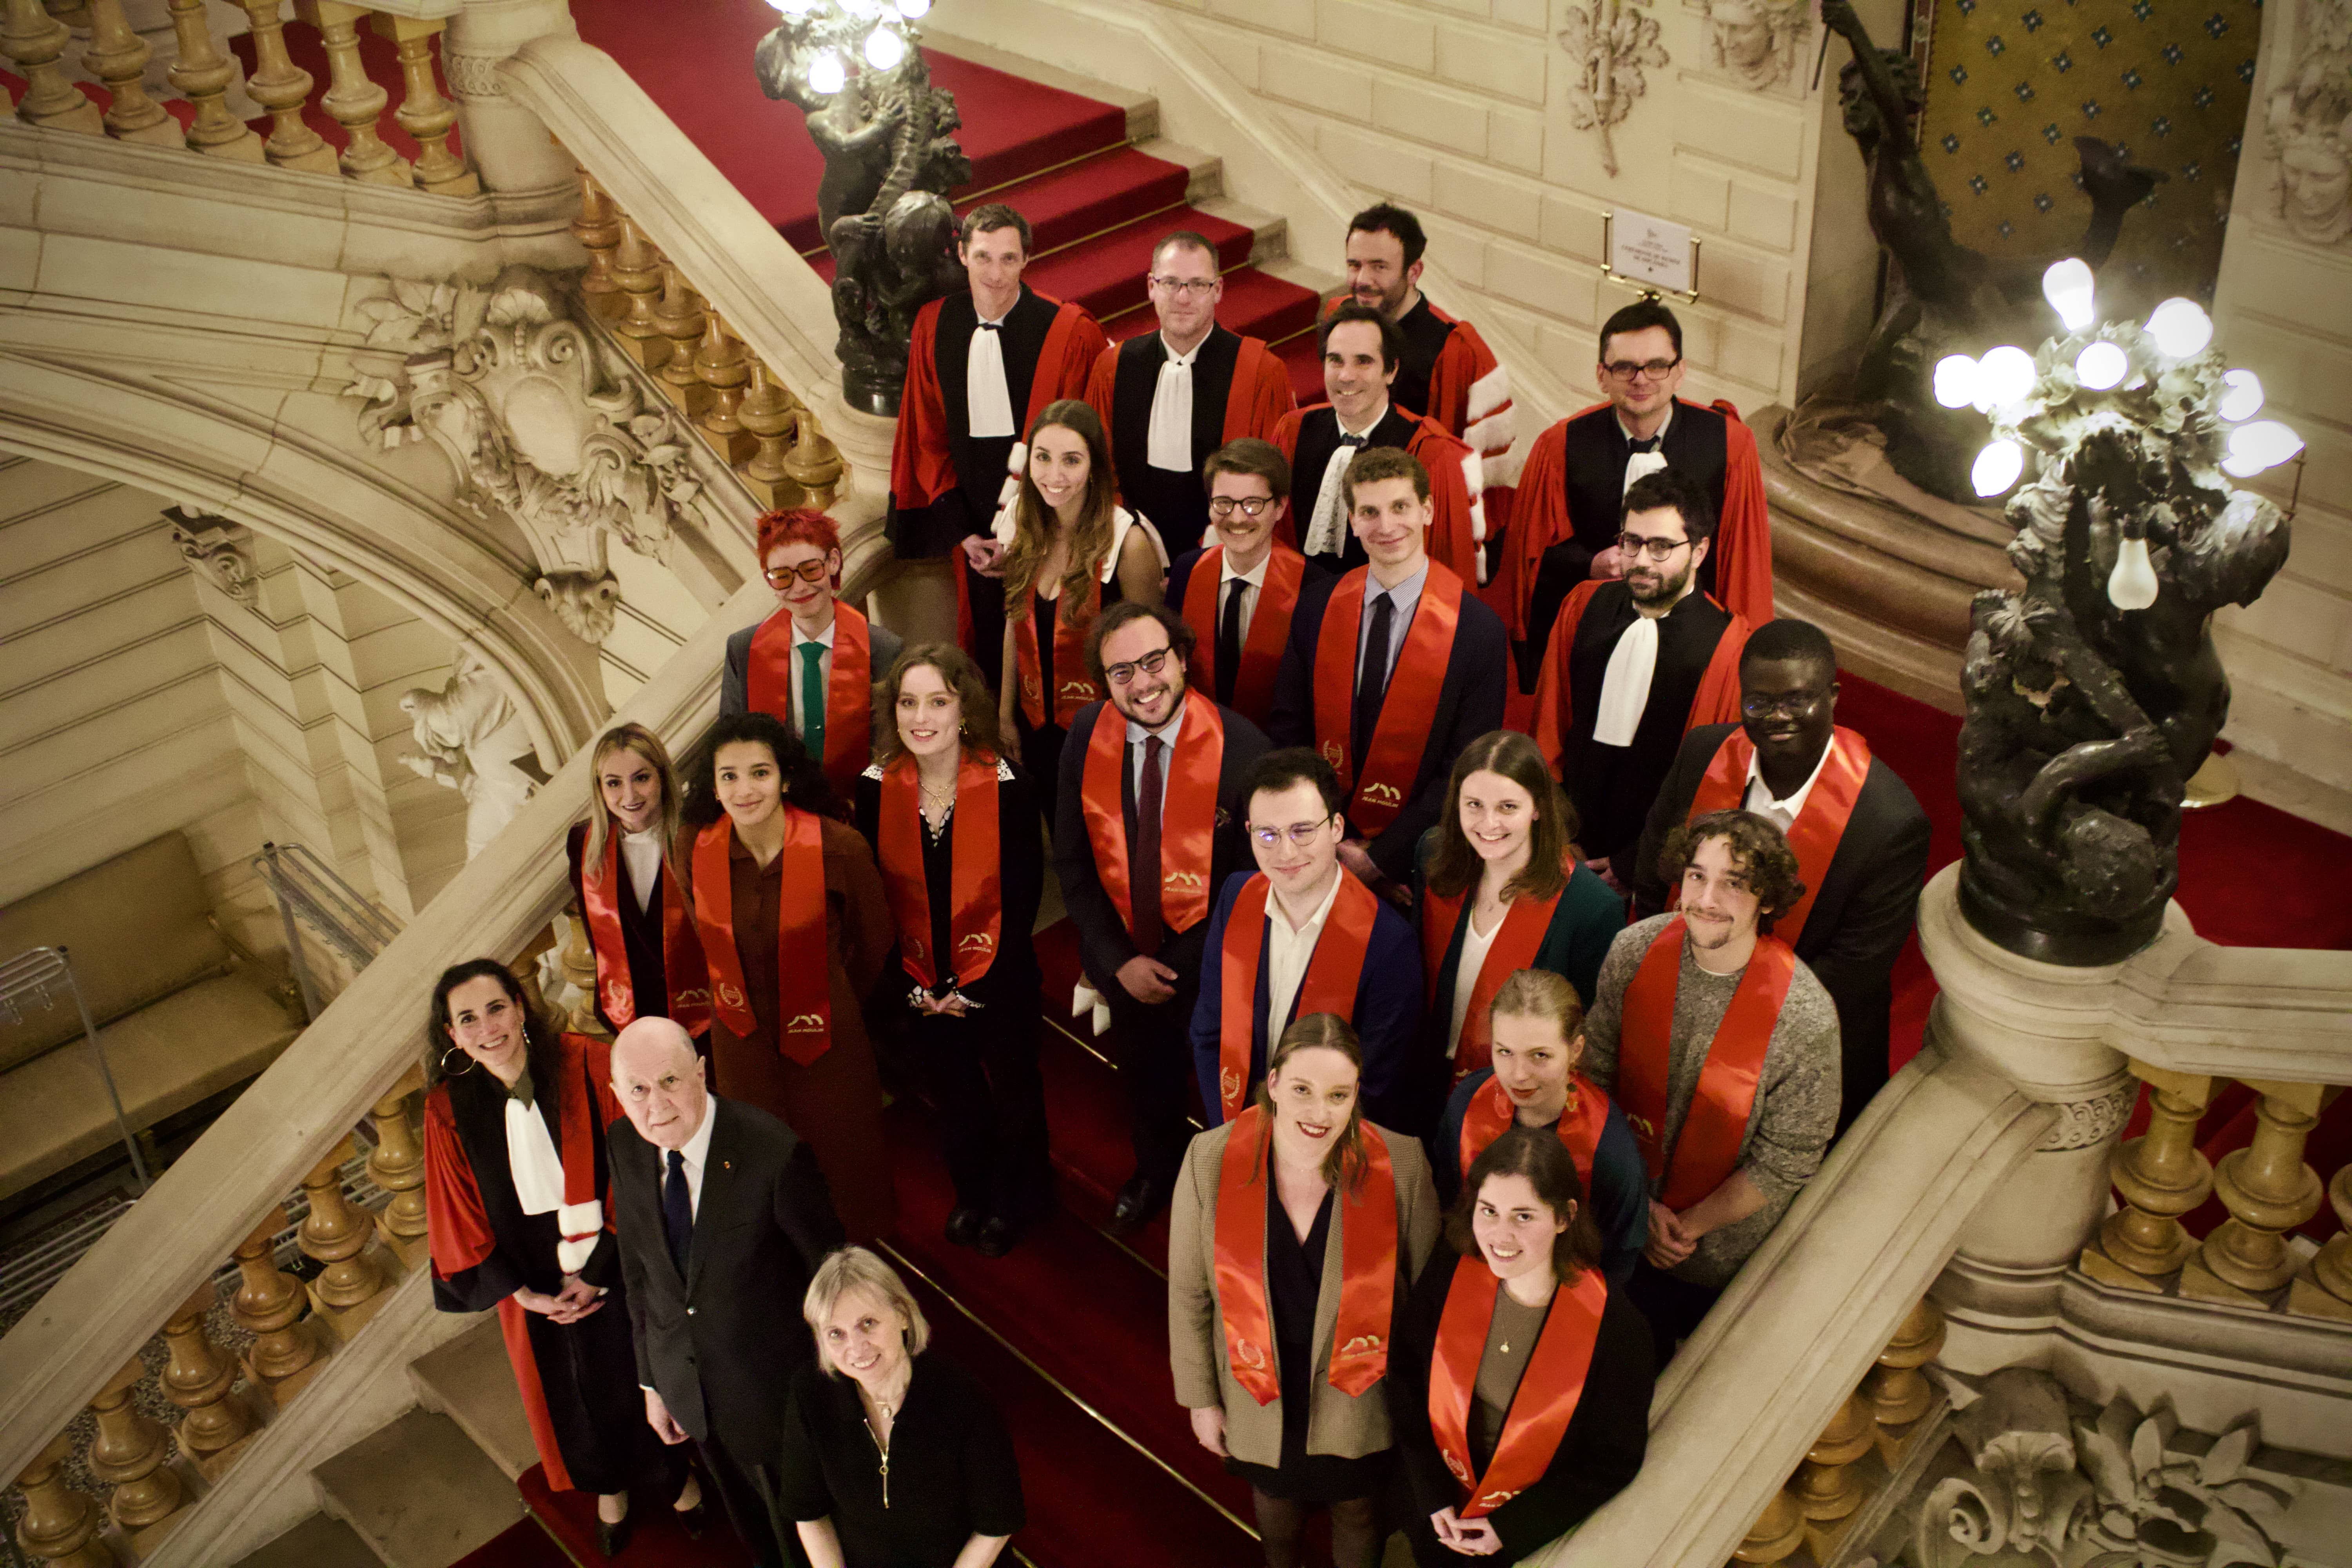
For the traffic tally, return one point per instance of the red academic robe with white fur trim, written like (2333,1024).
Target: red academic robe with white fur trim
(1240,388)
(1457,526)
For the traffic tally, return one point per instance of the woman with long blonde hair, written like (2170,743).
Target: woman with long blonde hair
(627,891)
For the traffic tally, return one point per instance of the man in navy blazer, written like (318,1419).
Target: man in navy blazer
(1427,672)
(1315,918)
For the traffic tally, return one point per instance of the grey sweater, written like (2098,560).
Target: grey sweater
(1796,1095)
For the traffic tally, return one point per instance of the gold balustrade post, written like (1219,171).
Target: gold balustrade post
(201,73)
(1776,1533)
(766,415)
(200,1379)
(336,1235)
(679,314)
(579,962)
(726,370)
(34,39)
(282,88)
(1897,1392)
(2323,1289)
(425,113)
(2161,1175)
(60,1525)
(130,1454)
(598,230)
(2268,1190)
(397,1166)
(117,57)
(270,1305)
(815,463)
(1828,1490)
(356,103)
(638,268)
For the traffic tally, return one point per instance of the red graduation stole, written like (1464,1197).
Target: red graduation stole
(1188,823)
(688,977)
(1708,1150)
(1525,921)
(1490,1114)
(1716,701)
(1368,1260)
(1381,780)
(1549,1390)
(1072,687)
(1270,628)
(803,993)
(1329,985)
(771,682)
(976,910)
(1819,826)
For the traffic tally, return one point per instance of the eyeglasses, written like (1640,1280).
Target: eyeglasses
(1657,369)
(1633,544)
(814,571)
(1302,834)
(1251,506)
(1788,705)
(1185,285)
(1151,663)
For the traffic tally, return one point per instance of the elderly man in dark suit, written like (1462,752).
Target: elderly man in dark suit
(724,1218)
(1860,837)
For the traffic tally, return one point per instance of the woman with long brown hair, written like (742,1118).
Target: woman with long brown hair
(627,889)
(954,827)
(1504,889)
(1069,549)
(1282,1385)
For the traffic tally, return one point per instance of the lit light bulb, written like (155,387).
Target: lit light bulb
(911,9)
(2132,584)
(884,48)
(2180,328)
(2264,444)
(2241,396)
(2067,287)
(2004,376)
(827,74)
(2101,365)
(1996,467)
(1956,380)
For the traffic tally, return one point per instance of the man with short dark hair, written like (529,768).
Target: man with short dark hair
(1723,1050)
(1635,662)
(1239,590)
(1363,352)
(1860,838)
(980,367)
(1170,398)
(1566,512)
(1298,936)
(1392,670)
(1447,371)
(1147,827)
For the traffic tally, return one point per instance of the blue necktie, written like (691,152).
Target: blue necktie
(812,704)
(677,1212)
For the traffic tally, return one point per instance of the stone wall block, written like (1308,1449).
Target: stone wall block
(1303,77)
(1443,120)
(1476,57)
(1402,173)
(1394,38)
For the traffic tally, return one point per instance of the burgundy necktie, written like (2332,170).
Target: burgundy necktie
(1143,859)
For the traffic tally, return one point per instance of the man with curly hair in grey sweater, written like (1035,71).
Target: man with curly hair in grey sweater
(1723,1050)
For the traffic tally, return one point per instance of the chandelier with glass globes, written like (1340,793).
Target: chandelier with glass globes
(841,34)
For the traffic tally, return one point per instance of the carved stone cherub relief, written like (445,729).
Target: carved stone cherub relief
(1756,43)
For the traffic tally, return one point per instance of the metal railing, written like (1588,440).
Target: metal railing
(28,982)
(312,892)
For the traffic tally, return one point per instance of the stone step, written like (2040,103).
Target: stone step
(418,1493)
(1142,108)
(318,1542)
(470,1381)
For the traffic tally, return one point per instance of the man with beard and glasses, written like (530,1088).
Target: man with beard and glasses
(1635,662)
(1860,838)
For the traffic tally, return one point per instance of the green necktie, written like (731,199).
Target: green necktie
(812,703)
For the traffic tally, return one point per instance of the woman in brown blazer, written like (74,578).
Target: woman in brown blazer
(784,1036)
(1295,1234)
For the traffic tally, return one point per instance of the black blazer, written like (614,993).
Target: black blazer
(1469,704)
(1103,940)
(1868,902)
(1597,1456)
(720,1345)
(883,646)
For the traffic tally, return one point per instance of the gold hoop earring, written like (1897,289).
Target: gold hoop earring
(465,1058)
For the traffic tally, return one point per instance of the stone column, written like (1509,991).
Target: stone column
(520,162)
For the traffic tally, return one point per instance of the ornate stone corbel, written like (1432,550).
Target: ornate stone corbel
(1610,41)
(221,550)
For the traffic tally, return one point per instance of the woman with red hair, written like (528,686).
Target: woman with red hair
(811,664)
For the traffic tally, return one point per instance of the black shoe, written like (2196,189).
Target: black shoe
(694,1520)
(613,1536)
(964,1225)
(996,1238)
(1137,1201)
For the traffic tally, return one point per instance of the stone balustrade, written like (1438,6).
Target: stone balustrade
(41,43)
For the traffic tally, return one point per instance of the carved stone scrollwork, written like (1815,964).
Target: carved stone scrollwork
(2084,1122)
(1609,41)
(472,739)
(541,424)
(221,550)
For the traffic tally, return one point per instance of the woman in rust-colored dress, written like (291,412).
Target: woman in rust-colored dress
(786,1032)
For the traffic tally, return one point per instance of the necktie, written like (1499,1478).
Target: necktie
(1229,640)
(988,406)
(1169,443)
(677,1212)
(1643,457)
(1143,858)
(1373,680)
(1625,684)
(1326,533)
(812,700)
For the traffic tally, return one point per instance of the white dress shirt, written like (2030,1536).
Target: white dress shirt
(1252,584)
(1759,800)
(642,854)
(697,1155)
(1465,973)
(1327,528)
(1288,950)
(1640,463)
(1406,597)
(1167,734)
(824,664)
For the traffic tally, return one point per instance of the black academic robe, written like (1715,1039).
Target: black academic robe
(1469,704)
(1175,502)
(916,532)
(1613,786)
(1318,437)
(1425,334)
(1861,913)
